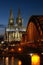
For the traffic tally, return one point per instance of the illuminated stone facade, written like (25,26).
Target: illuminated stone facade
(14,32)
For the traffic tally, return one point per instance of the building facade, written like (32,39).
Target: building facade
(15,32)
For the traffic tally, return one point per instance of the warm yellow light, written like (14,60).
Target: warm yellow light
(35,59)
(19,62)
(6,60)
(19,49)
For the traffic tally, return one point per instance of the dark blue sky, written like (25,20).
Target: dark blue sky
(28,8)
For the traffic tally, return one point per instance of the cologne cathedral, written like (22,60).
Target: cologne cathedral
(15,32)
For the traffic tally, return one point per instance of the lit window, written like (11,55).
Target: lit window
(35,59)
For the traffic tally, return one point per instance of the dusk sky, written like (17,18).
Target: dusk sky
(27,7)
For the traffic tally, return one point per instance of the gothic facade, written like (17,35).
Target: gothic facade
(14,32)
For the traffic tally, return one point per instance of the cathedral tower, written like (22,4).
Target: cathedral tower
(19,19)
(11,19)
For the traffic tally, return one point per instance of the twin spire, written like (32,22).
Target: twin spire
(11,13)
(18,19)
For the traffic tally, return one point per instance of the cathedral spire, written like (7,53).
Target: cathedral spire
(11,13)
(11,19)
(19,13)
(19,18)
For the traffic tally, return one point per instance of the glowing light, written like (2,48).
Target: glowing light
(35,60)
(19,62)
(6,61)
(42,53)
(31,54)
(2,42)
(19,49)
